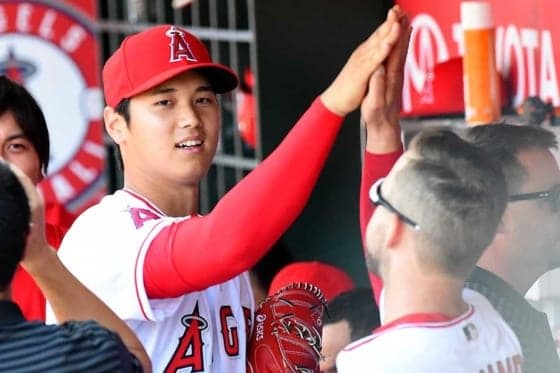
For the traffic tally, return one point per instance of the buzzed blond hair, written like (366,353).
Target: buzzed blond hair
(456,193)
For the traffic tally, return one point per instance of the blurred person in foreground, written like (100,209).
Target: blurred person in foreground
(105,344)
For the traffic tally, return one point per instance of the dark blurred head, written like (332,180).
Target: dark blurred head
(14,224)
(348,317)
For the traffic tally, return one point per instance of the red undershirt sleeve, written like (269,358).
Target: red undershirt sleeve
(376,166)
(196,253)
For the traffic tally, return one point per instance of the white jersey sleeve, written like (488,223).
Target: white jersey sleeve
(105,249)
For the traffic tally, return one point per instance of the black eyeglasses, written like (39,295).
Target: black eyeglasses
(553,194)
(378,200)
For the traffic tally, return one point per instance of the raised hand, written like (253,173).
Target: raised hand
(348,89)
(381,107)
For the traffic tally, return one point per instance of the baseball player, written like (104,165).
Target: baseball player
(437,210)
(179,279)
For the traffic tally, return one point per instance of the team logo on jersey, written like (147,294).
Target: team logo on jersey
(178,46)
(140,216)
(51,49)
(470,331)
(189,352)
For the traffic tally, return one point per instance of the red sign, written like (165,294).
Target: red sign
(527,33)
(51,49)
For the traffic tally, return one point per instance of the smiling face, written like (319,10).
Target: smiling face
(16,148)
(173,132)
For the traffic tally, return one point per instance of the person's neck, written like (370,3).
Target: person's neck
(520,276)
(412,293)
(172,200)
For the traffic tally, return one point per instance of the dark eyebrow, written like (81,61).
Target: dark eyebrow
(160,90)
(164,89)
(16,136)
(205,88)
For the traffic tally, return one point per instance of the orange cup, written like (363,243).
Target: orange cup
(480,77)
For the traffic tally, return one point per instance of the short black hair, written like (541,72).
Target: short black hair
(14,224)
(16,99)
(358,308)
(123,108)
(503,142)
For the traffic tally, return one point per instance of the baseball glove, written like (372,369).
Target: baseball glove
(287,333)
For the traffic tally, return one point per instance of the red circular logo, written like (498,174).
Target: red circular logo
(52,51)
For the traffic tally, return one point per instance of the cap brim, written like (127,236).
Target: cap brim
(222,78)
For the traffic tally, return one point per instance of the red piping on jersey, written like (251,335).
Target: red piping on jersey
(136,288)
(191,255)
(375,167)
(145,201)
(415,320)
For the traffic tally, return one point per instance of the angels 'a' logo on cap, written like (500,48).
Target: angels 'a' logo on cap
(178,46)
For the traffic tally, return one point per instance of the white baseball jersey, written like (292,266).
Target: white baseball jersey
(478,341)
(205,331)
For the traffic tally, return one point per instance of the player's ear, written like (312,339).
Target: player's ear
(394,231)
(115,124)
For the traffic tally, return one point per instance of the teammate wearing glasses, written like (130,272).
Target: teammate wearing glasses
(527,245)
(438,209)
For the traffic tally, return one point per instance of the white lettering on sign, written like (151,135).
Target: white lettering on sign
(549,76)
(420,63)
(84,173)
(22,18)
(46,26)
(3,20)
(95,149)
(526,52)
(73,38)
(510,46)
(530,41)
(62,188)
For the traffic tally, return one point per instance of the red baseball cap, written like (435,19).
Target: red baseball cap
(151,57)
(329,279)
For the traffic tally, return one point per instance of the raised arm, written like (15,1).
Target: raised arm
(200,252)
(380,114)
(70,300)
